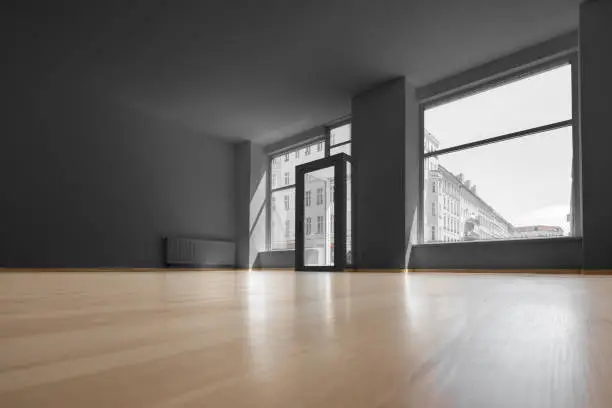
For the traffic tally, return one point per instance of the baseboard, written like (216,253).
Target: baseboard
(557,271)
(597,271)
(167,269)
(42,270)
(551,271)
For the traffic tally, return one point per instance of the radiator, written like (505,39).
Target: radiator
(199,252)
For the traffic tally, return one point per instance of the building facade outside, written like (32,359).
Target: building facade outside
(453,210)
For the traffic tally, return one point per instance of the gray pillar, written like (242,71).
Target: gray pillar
(596,125)
(385,134)
(251,187)
(414,146)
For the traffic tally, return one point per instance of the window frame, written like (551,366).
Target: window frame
(328,129)
(306,145)
(535,67)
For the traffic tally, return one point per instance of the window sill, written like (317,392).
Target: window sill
(497,241)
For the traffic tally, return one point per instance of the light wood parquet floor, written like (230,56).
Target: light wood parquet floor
(284,339)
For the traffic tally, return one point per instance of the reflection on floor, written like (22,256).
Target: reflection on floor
(281,339)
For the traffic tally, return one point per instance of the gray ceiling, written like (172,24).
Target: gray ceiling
(264,70)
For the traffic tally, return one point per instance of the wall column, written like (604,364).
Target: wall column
(596,126)
(251,189)
(385,133)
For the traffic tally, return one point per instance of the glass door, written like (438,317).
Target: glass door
(323,214)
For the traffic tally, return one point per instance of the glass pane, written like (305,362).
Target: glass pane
(349,220)
(345,148)
(283,165)
(340,134)
(519,188)
(283,220)
(319,218)
(530,102)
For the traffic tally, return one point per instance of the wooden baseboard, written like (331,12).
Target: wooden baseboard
(42,270)
(559,271)
(597,271)
(552,271)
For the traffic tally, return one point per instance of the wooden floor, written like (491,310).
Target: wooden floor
(281,339)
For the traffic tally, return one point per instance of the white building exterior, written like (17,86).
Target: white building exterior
(453,211)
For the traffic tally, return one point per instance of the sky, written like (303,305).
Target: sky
(527,180)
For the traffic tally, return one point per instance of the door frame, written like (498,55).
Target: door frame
(339,163)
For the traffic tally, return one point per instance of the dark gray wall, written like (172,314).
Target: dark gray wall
(88,182)
(378,132)
(300,138)
(596,83)
(516,61)
(533,254)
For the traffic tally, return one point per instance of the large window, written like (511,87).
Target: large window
(282,169)
(282,218)
(501,161)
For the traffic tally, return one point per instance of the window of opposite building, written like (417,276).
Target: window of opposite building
(337,139)
(504,157)
(319,224)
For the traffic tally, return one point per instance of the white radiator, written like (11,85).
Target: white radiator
(199,252)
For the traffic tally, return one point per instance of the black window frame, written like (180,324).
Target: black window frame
(571,58)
